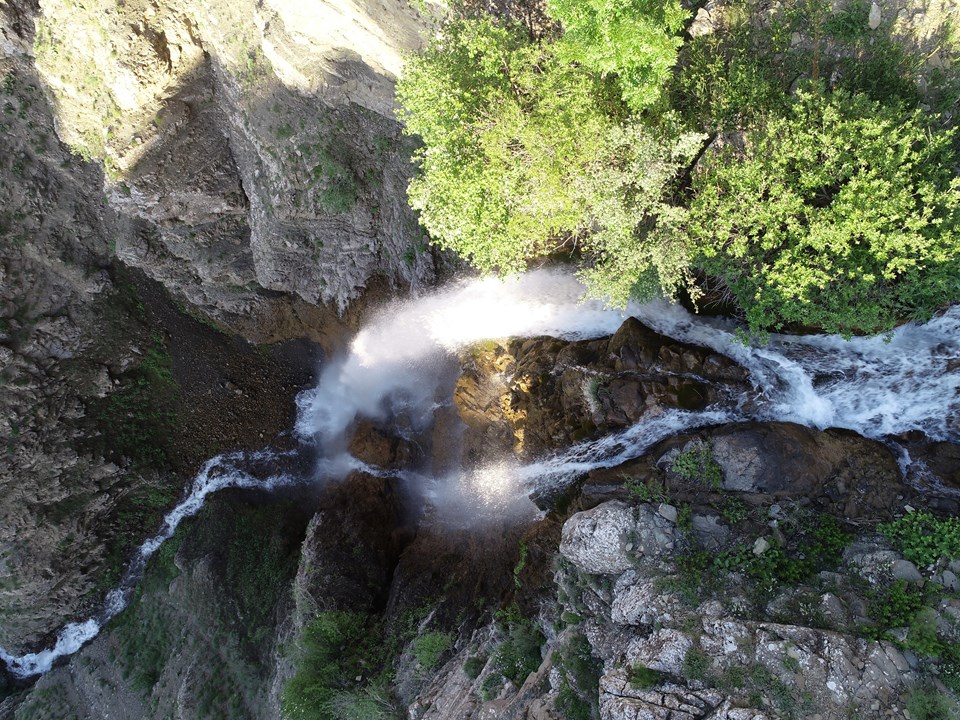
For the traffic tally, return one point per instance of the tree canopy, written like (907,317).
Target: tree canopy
(605,135)
(843,214)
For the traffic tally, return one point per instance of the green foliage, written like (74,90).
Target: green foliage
(521,564)
(634,41)
(430,647)
(844,214)
(578,697)
(638,247)
(491,686)
(832,210)
(922,635)
(519,654)
(369,703)
(645,492)
(923,538)
(734,510)
(643,678)
(474,666)
(335,649)
(507,133)
(894,606)
(928,704)
(139,419)
(696,664)
(697,465)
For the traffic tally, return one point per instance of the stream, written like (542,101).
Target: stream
(404,360)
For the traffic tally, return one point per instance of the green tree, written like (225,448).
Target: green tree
(843,214)
(635,40)
(507,132)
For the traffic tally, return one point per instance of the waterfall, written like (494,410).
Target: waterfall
(401,360)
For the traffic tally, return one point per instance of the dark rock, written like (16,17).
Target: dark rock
(532,396)
(835,469)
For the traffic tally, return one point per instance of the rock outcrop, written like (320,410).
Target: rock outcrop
(529,396)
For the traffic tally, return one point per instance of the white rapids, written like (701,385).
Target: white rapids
(403,358)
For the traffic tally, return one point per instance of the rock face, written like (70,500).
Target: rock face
(836,469)
(639,623)
(253,145)
(529,396)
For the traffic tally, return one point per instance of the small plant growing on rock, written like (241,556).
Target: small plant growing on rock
(928,704)
(640,492)
(643,678)
(923,538)
(474,666)
(428,648)
(697,465)
(696,663)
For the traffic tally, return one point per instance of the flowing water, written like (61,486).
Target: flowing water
(403,362)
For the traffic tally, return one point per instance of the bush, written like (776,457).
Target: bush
(335,649)
(844,214)
(578,698)
(519,655)
(696,663)
(928,704)
(429,647)
(474,666)
(644,678)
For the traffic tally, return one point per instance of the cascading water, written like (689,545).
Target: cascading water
(402,361)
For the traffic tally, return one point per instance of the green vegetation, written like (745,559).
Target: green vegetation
(923,538)
(336,649)
(430,647)
(827,205)
(844,214)
(578,697)
(518,654)
(696,664)
(644,678)
(928,704)
(811,543)
(474,666)
(138,420)
(697,465)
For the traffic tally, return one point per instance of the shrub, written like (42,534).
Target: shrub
(578,698)
(923,538)
(519,655)
(474,666)
(335,649)
(696,663)
(928,704)
(643,678)
(843,214)
(429,647)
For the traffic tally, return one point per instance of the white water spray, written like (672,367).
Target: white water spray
(876,386)
(400,353)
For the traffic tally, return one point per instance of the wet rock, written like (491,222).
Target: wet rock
(534,395)
(350,549)
(377,447)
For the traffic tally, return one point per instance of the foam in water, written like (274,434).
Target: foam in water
(876,386)
(400,353)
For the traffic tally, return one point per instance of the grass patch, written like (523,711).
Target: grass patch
(430,647)
(336,648)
